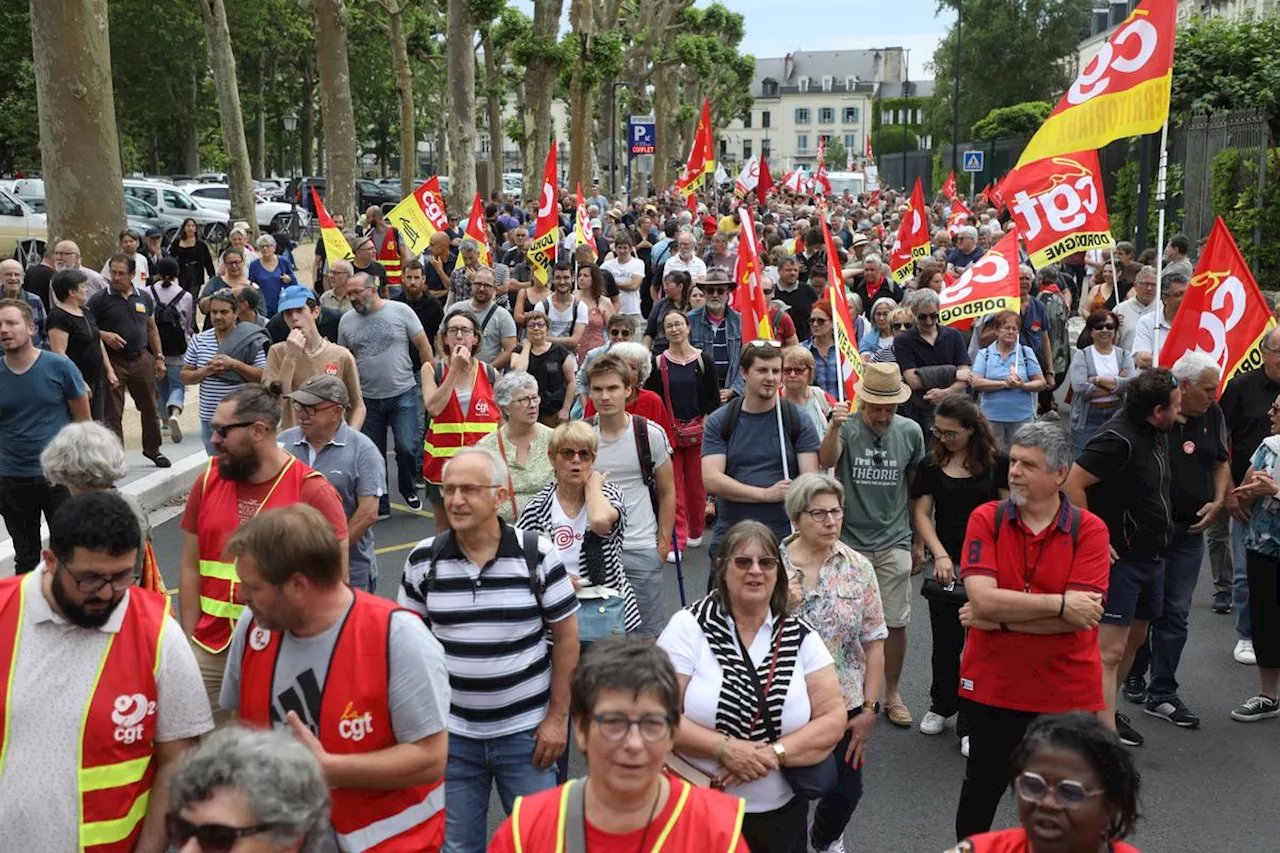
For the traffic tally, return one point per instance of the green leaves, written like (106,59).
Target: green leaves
(1018,120)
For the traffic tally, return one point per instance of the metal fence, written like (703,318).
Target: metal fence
(901,170)
(1196,145)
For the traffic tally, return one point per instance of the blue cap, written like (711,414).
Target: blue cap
(295,296)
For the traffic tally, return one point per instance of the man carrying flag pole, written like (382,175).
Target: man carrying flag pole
(546,235)
(848,361)
(336,246)
(748,297)
(582,230)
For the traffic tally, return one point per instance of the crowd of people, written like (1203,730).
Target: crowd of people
(571,438)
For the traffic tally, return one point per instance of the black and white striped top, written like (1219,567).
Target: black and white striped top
(492,629)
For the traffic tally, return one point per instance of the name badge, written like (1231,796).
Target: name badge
(139,307)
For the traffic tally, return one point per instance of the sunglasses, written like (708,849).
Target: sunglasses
(743,563)
(619,333)
(571,454)
(1069,793)
(898,327)
(765,342)
(794,371)
(221,430)
(818,321)
(1105,327)
(932,315)
(212,837)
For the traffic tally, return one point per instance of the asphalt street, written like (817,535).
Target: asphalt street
(1212,789)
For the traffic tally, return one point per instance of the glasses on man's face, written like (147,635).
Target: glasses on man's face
(899,327)
(716,291)
(1069,793)
(1104,327)
(212,837)
(619,333)
(929,315)
(530,400)
(794,371)
(310,411)
(467,490)
(821,515)
(654,728)
(460,331)
(92,583)
(221,430)
(743,563)
(572,454)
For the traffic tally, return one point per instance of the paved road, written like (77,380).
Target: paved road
(1215,789)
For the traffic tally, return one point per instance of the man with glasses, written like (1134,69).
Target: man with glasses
(347,458)
(376,332)
(497,326)
(207,364)
(1152,329)
(1141,302)
(66,256)
(715,328)
(685,259)
(97,665)
(250,472)
(933,358)
(336,278)
(490,592)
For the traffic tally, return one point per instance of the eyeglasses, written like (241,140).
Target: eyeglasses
(460,331)
(531,400)
(818,321)
(765,342)
(476,284)
(743,563)
(821,515)
(221,430)
(309,411)
(898,327)
(1104,327)
(1069,793)
(619,333)
(89,584)
(654,728)
(716,291)
(794,371)
(931,315)
(944,434)
(468,490)
(212,837)
(570,454)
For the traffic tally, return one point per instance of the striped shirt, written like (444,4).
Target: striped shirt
(200,351)
(492,629)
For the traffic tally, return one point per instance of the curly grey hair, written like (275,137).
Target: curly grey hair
(84,456)
(510,384)
(638,355)
(278,777)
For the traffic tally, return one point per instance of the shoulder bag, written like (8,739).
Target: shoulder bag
(688,433)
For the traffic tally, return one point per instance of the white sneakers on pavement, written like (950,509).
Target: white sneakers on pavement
(1244,653)
(964,746)
(932,724)
(836,846)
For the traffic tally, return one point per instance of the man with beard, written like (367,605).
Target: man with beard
(97,665)
(42,392)
(684,258)
(360,682)
(66,256)
(250,473)
(376,332)
(497,326)
(1035,571)
(716,329)
(209,363)
(11,277)
(306,353)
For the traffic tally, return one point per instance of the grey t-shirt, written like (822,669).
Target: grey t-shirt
(501,325)
(873,470)
(378,342)
(621,459)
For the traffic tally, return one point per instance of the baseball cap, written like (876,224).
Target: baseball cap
(295,296)
(153,232)
(321,388)
(595,223)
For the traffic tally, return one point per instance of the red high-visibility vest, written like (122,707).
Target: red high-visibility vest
(1015,841)
(116,767)
(354,718)
(451,430)
(219,518)
(389,257)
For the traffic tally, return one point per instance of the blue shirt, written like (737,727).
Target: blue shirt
(269,282)
(1263,533)
(826,368)
(33,407)
(1009,405)
(1035,322)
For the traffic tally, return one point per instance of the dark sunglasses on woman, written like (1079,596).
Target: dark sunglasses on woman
(212,837)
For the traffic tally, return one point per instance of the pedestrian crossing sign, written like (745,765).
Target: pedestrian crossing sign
(973,161)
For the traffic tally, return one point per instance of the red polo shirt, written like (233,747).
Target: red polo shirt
(1043,673)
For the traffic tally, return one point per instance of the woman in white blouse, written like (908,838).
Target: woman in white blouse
(1099,374)
(724,730)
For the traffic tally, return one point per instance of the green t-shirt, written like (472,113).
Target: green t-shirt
(873,470)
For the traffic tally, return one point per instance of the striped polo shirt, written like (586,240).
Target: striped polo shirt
(492,629)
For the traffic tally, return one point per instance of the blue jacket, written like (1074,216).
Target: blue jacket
(701,336)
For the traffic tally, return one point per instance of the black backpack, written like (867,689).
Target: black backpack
(640,427)
(531,558)
(173,338)
(790,425)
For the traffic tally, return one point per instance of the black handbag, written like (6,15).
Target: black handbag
(952,593)
(812,782)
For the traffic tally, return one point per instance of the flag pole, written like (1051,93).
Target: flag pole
(1161,175)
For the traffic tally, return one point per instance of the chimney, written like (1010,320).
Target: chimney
(788,66)
(876,65)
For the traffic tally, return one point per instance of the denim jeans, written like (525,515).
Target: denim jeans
(833,812)
(400,413)
(1093,421)
(170,392)
(474,765)
(1168,635)
(1240,582)
(206,436)
(422,425)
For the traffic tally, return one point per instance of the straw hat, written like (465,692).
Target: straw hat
(882,384)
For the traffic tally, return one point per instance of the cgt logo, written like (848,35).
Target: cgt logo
(128,712)
(354,726)
(1072,197)
(1128,52)
(1227,304)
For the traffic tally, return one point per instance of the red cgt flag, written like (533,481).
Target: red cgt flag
(848,359)
(949,187)
(990,284)
(1059,206)
(1223,314)
(546,233)
(748,297)
(913,238)
(476,230)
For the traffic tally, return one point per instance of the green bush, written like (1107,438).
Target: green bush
(1234,190)
(1018,120)
(894,140)
(1122,207)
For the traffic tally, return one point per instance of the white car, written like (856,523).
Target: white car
(22,230)
(218,197)
(168,199)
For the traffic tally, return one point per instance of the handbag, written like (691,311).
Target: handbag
(600,613)
(688,433)
(952,593)
(812,782)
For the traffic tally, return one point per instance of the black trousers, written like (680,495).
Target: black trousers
(779,831)
(994,733)
(22,499)
(948,643)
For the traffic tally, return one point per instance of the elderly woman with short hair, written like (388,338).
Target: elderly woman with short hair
(834,589)
(251,790)
(521,441)
(900,319)
(271,273)
(878,334)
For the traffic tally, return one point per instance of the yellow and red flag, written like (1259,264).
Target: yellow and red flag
(870,155)
(336,247)
(1123,91)
(765,185)
(913,238)
(702,157)
(1059,206)
(949,187)
(419,215)
(546,233)
(959,216)
(582,227)
(1223,314)
(990,284)
(748,297)
(476,230)
(848,360)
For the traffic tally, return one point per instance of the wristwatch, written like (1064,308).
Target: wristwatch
(873,707)
(780,751)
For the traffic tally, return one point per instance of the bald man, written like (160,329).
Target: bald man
(11,277)
(66,255)
(439,261)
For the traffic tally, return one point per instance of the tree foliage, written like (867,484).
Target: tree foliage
(1219,64)
(894,139)
(1017,120)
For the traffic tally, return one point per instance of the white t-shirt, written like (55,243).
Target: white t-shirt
(560,323)
(621,459)
(1106,365)
(628,300)
(566,535)
(686,644)
(695,266)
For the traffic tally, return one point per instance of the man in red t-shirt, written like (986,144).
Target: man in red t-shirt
(1035,569)
(262,474)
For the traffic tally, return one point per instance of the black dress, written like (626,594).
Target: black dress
(85,351)
(195,265)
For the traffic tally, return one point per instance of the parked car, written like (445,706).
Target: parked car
(299,190)
(272,189)
(218,197)
(23,231)
(370,192)
(174,201)
(142,216)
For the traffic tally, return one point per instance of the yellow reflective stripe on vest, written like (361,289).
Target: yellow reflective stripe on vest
(222,609)
(515,825)
(456,429)
(737,826)
(662,836)
(112,775)
(368,837)
(113,831)
(675,815)
(8,676)
(564,808)
(217,569)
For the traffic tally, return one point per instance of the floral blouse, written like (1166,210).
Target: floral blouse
(845,609)
(527,477)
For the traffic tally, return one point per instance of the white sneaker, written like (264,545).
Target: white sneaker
(671,557)
(836,846)
(1244,653)
(932,724)
(694,542)
(964,746)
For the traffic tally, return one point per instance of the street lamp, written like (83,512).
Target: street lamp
(613,136)
(290,126)
(955,98)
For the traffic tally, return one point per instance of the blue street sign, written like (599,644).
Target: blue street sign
(973,160)
(642,135)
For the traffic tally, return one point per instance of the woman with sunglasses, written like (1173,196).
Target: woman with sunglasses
(900,320)
(675,296)
(521,441)
(964,470)
(1099,373)
(879,332)
(797,376)
(1008,376)
(822,348)
(248,791)
(834,589)
(551,365)
(1077,789)
(731,648)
